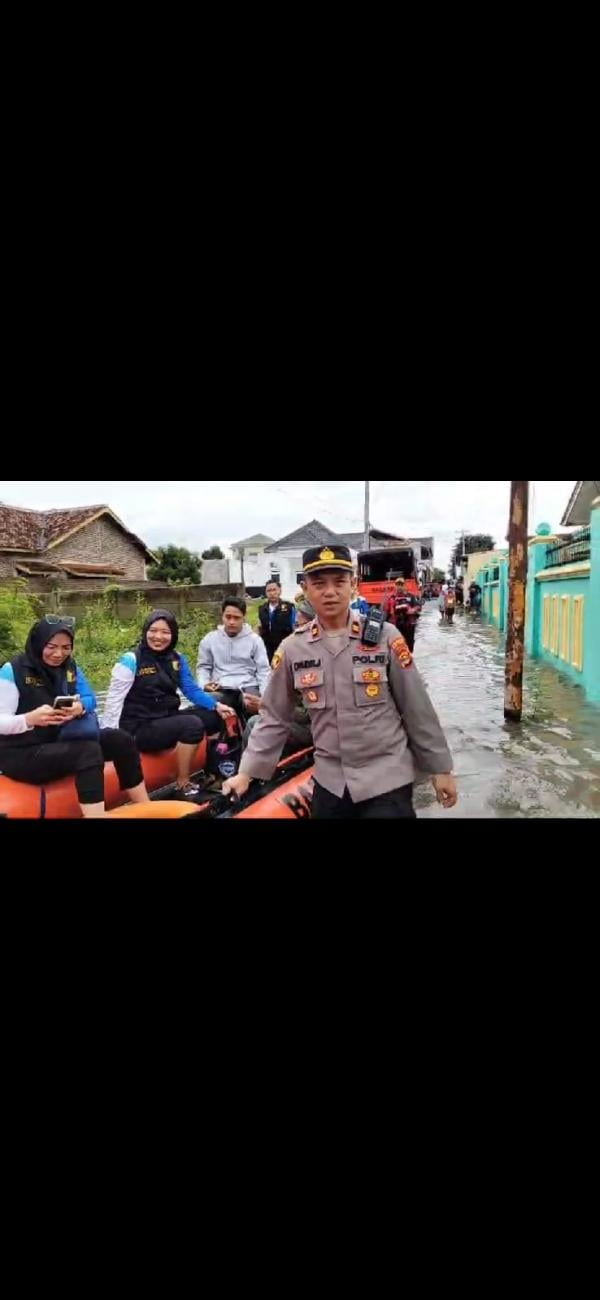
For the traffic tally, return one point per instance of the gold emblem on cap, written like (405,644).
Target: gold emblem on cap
(327,555)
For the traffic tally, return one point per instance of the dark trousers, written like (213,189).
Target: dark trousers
(272,643)
(409,632)
(188,727)
(394,806)
(82,759)
(235,700)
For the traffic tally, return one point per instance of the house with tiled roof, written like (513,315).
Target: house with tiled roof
(86,543)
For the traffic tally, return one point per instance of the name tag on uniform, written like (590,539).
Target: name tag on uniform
(368,659)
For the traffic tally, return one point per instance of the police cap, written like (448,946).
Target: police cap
(327,557)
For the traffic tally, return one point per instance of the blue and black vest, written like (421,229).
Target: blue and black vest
(155,691)
(34,690)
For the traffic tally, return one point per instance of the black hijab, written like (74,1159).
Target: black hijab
(39,636)
(159,658)
(155,617)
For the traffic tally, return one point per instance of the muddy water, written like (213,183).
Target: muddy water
(549,766)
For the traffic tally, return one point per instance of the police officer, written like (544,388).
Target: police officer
(276,619)
(371,717)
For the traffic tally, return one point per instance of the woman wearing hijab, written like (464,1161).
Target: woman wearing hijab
(145,698)
(39,743)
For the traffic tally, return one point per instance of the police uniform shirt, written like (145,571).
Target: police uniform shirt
(371,717)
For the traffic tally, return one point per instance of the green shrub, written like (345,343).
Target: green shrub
(18,612)
(101,636)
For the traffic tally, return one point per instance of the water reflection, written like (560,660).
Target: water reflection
(549,766)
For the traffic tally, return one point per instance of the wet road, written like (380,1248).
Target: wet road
(549,766)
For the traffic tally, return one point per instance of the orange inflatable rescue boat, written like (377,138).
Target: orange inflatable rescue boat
(59,798)
(286,796)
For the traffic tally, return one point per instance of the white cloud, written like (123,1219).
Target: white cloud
(196,513)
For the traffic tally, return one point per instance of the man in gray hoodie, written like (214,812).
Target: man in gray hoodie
(234,659)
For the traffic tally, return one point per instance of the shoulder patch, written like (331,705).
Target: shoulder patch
(401,651)
(277,661)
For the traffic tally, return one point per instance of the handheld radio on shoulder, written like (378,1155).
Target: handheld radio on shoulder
(373,628)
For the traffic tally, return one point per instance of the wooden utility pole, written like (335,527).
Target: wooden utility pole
(367,543)
(517,592)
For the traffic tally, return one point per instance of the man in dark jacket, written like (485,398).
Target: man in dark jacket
(276,619)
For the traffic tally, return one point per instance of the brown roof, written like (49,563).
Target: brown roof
(36,569)
(73,567)
(90,570)
(36,530)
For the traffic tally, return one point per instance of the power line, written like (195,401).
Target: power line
(339,514)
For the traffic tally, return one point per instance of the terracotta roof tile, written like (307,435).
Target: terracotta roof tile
(34,530)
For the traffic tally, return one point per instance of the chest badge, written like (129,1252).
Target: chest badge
(371,675)
(373,692)
(312,697)
(308,679)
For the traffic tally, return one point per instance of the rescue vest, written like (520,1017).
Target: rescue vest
(34,691)
(154,693)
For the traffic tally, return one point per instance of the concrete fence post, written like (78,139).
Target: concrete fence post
(537,561)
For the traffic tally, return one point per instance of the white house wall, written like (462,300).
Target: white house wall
(288,564)
(258,570)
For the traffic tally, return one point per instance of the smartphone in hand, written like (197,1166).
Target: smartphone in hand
(66,701)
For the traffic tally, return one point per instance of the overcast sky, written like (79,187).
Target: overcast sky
(199,513)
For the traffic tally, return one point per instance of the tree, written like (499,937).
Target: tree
(438,575)
(471,544)
(176,565)
(213,553)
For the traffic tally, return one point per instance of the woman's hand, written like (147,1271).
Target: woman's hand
(45,716)
(69,715)
(224,711)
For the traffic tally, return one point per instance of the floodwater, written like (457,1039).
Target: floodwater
(547,766)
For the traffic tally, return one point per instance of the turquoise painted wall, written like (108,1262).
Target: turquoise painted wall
(569,587)
(490,586)
(562,589)
(592,622)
